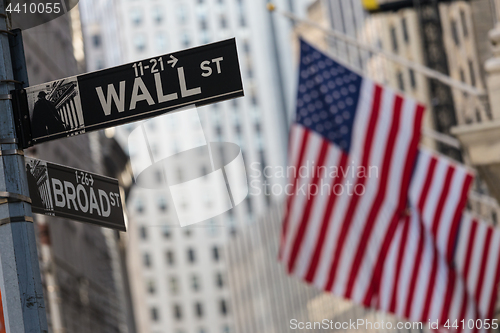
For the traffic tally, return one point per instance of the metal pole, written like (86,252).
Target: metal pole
(20,281)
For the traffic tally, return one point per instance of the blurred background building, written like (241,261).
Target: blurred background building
(179,276)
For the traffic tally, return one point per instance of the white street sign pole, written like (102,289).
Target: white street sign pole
(20,281)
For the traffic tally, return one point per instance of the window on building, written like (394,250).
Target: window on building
(96,40)
(413,81)
(219,280)
(173,285)
(242,20)
(161,41)
(472,73)
(140,42)
(401,82)
(198,309)
(462,75)
(191,255)
(463,20)
(151,287)
(394,39)
(170,257)
(249,70)
(253,98)
(146,259)
(223,307)
(205,37)
(157,14)
(159,176)
(249,205)
(203,23)
(181,13)
(162,203)
(215,253)
(246,46)
(136,16)
(454,32)
(195,282)
(188,232)
(185,40)
(143,232)
(166,231)
(404,27)
(154,314)
(223,21)
(478,115)
(177,311)
(139,206)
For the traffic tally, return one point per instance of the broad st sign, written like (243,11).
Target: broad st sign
(127,93)
(75,194)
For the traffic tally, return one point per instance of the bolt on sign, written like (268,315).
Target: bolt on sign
(57,190)
(127,93)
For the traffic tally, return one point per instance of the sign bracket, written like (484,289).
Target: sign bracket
(6,197)
(22,117)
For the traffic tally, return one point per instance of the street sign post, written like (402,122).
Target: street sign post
(79,195)
(127,93)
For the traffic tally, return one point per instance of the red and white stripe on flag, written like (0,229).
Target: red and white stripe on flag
(442,264)
(438,191)
(334,239)
(477,260)
(418,284)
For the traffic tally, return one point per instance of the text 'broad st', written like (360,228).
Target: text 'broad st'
(57,190)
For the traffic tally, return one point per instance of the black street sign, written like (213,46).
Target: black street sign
(75,194)
(127,93)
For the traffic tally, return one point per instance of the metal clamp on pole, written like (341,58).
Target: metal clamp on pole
(6,197)
(14,219)
(8,140)
(8,152)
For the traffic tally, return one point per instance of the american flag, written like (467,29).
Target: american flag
(353,146)
(397,240)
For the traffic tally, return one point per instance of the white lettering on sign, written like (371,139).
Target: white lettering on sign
(141,93)
(182,80)
(81,189)
(159,91)
(84,199)
(105,211)
(58,193)
(217,61)
(205,66)
(119,100)
(139,84)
